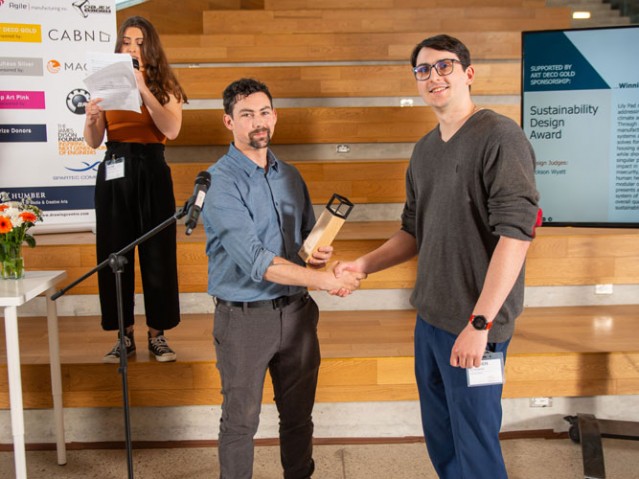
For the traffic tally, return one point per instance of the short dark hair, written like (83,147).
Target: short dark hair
(241,89)
(444,43)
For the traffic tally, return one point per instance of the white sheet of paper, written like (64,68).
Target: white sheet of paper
(113,80)
(490,372)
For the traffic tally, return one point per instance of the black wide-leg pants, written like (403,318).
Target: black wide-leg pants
(125,209)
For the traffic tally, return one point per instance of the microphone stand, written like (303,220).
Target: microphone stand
(117,261)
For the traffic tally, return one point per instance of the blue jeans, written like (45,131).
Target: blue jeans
(461,424)
(247,343)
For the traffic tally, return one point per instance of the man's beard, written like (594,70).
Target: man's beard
(261,143)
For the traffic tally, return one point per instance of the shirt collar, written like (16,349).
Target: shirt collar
(248,165)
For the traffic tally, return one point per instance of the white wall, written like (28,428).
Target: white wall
(332,420)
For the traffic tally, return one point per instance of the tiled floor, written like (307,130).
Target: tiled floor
(525,458)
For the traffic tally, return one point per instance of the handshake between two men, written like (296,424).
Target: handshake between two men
(341,278)
(347,275)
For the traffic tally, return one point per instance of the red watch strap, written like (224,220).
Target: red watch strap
(489,324)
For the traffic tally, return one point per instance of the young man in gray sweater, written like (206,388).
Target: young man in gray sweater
(470,215)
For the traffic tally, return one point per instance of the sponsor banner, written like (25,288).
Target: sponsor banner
(22,134)
(22,100)
(77,100)
(20,32)
(45,6)
(82,36)
(55,198)
(43,100)
(17,66)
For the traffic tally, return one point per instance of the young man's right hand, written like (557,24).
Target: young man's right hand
(344,269)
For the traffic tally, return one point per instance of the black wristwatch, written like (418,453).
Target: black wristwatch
(480,323)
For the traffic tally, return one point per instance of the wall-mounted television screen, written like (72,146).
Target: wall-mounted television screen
(580,111)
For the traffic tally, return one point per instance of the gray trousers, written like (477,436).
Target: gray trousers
(249,341)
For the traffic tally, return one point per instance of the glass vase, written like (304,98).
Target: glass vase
(12,264)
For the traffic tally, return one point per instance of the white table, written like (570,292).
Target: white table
(14,293)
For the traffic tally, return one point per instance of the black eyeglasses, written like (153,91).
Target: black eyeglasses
(444,67)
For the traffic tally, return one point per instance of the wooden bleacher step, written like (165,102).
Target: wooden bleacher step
(367,356)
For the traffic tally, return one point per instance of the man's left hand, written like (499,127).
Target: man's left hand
(320,258)
(469,348)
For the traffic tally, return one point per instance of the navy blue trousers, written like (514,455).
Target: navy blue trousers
(461,424)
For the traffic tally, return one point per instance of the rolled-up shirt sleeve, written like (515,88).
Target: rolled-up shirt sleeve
(233,227)
(251,215)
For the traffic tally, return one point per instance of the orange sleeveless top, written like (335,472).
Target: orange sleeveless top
(131,127)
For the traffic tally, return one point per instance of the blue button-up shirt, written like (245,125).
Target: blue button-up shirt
(250,216)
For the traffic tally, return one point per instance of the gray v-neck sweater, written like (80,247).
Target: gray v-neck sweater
(461,196)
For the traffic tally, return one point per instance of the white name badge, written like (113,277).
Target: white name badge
(114,169)
(490,372)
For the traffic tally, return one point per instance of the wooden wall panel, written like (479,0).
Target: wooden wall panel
(327,125)
(461,19)
(568,256)
(328,46)
(492,78)
(370,4)
(162,13)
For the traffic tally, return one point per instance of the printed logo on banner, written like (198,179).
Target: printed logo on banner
(78,36)
(86,167)
(48,8)
(87,8)
(22,100)
(34,6)
(20,32)
(16,66)
(16,6)
(71,142)
(54,66)
(23,133)
(77,100)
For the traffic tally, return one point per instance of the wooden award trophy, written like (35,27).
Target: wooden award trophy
(328,225)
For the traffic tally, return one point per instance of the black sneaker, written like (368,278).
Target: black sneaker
(160,349)
(113,356)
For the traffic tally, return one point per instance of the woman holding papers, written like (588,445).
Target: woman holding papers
(134,191)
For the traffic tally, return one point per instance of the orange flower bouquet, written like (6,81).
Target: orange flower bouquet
(16,217)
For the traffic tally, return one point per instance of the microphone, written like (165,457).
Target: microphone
(136,63)
(202,183)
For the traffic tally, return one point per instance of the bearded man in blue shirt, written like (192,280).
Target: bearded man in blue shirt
(256,216)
